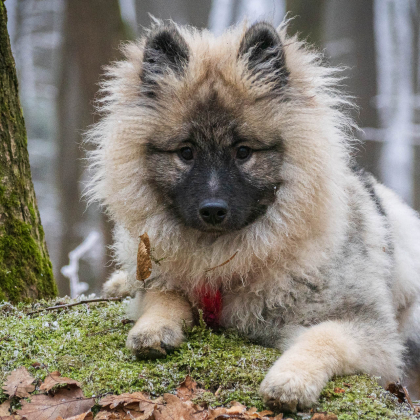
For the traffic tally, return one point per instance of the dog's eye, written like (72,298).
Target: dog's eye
(243,152)
(186,153)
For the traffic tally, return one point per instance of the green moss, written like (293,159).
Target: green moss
(29,267)
(87,343)
(32,212)
(24,270)
(362,398)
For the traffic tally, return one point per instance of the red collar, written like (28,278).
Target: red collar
(210,302)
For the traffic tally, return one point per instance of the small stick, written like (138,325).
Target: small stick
(221,265)
(69,305)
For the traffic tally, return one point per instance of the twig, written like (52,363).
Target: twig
(221,265)
(69,305)
(123,322)
(407,397)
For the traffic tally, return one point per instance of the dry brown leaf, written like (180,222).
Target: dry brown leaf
(11,417)
(267,413)
(84,416)
(127,406)
(338,390)
(55,378)
(121,414)
(178,409)
(5,409)
(216,412)
(110,415)
(67,402)
(124,399)
(324,416)
(146,240)
(19,383)
(236,410)
(144,261)
(188,389)
(400,392)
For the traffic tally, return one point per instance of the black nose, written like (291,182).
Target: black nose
(213,211)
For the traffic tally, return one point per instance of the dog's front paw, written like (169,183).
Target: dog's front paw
(288,388)
(153,338)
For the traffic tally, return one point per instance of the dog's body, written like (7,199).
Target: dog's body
(236,147)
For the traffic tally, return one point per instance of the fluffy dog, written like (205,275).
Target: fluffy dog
(238,146)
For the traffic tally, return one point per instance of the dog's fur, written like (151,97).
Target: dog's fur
(328,261)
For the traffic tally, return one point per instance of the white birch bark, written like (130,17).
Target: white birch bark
(394,42)
(227,12)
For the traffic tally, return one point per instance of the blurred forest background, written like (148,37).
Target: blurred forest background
(60,47)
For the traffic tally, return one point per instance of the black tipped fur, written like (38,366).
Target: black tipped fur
(265,49)
(165,49)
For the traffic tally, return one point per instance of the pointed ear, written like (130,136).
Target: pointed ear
(165,49)
(264,53)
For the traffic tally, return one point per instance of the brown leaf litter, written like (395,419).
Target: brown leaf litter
(19,383)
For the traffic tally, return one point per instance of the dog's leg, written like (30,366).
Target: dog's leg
(328,349)
(160,326)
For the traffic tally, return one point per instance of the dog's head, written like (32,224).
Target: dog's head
(215,134)
(215,168)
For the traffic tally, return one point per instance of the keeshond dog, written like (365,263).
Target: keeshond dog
(234,154)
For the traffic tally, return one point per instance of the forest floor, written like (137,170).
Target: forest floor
(87,343)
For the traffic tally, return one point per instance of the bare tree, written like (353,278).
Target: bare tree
(395,31)
(25,267)
(92,32)
(350,41)
(227,12)
(183,12)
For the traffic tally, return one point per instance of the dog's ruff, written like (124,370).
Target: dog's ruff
(330,274)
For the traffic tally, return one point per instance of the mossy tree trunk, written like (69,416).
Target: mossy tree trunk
(25,267)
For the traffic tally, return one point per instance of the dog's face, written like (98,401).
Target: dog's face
(215,174)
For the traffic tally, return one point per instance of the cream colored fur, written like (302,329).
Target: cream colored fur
(298,243)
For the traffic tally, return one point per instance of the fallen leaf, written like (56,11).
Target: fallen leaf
(324,416)
(216,412)
(19,383)
(121,414)
(267,413)
(12,417)
(84,416)
(5,409)
(55,378)
(187,390)
(400,392)
(339,390)
(65,403)
(175,408)
(144,261)
(114,401)
(237,408)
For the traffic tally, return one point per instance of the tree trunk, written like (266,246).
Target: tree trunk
(350,41)
(91,36)
(25,267)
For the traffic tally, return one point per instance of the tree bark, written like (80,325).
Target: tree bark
(91,36)
(349,37)
(25,267)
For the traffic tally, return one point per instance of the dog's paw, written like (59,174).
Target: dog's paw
(154,338)
(117,285)
(288,388)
